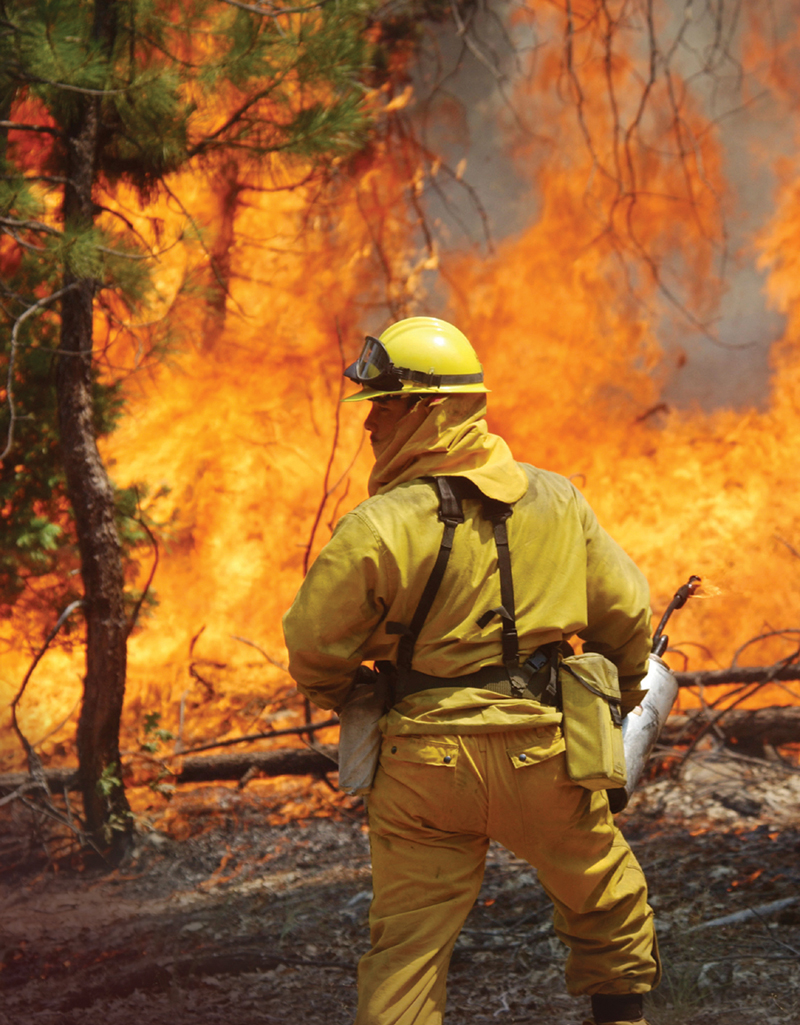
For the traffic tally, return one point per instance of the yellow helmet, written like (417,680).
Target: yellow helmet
(416,356)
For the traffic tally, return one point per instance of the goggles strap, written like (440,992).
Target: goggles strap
(391,378)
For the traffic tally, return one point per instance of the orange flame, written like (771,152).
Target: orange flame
(239,423)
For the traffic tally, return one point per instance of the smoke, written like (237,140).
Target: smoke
(473,106)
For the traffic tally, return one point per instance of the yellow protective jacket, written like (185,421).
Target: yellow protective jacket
(569,576)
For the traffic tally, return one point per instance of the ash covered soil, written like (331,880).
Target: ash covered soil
(234,910)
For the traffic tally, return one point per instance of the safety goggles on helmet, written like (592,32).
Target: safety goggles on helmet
(375,369)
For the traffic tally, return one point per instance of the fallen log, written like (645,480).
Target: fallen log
(746,729)
(18,784)
(737,674)
(287,761)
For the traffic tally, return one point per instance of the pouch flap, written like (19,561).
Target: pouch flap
(595,670)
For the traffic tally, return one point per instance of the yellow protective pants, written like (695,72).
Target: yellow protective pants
(435,804)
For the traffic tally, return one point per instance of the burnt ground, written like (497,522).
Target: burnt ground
(249,907)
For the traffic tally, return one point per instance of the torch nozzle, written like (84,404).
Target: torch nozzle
(682,595)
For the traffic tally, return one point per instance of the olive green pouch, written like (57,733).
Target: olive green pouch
(592,724)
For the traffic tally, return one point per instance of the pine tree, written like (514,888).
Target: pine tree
(97,95)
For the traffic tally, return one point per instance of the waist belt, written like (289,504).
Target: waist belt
(539,671)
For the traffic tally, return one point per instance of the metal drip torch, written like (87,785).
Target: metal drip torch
(641,728)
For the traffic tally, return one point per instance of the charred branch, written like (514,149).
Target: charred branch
(153,540)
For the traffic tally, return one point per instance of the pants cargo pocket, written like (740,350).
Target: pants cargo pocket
(417,779)
(530,747)
(397,753)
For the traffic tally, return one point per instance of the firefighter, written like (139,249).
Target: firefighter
(472,748)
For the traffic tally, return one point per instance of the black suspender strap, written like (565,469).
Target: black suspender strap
(509,623)
(451,514)
(498,513)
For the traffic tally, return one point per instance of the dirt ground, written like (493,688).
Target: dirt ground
(249,907)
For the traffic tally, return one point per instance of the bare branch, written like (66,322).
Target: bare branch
(15,126)
(270,10)
(14,222)
(764,637)
(153,540)
(326,490)
(743,916)
(52,812)
(54,729)
(710,725)
(54,178)
(220,280)
(33,759)
(267,735)
(82,90)
(13,417)
(269,658)
(793,550)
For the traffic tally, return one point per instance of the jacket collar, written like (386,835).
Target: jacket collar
(448,436)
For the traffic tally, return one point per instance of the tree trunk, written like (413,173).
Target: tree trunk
(225,197)
(91,495)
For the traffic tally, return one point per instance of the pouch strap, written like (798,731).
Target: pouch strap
(451,514)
